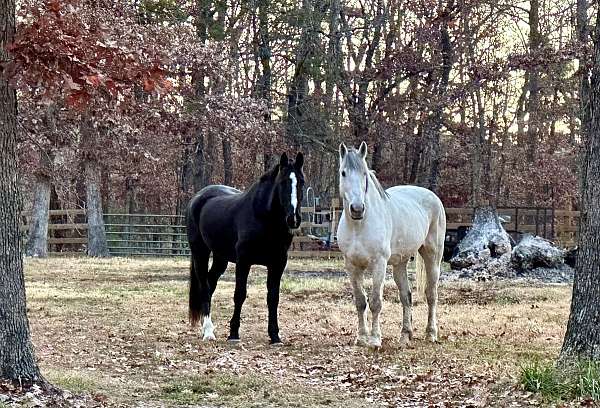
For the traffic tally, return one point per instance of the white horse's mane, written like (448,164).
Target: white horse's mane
(355,161)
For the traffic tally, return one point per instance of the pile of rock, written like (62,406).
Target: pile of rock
(487,252)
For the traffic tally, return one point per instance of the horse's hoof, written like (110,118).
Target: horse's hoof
(405,340)
(432,337)
(209,337)
(374,343)
(361,341)
(278,343)
(233,340)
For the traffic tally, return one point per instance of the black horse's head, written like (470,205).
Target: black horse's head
(289,185)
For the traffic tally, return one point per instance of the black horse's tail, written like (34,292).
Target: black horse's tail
(199,297)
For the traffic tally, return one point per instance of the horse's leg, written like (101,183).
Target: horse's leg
(401,279)
(376,301)
(432,259)
(239,296)
(360,301)
(273,283)
(216,270)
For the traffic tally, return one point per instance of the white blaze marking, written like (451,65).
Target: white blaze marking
(294,197)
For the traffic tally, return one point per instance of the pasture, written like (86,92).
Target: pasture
(117,329)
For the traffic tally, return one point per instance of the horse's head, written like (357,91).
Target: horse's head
(289,185)
(354,174)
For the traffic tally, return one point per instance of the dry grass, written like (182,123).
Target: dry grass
(118,329)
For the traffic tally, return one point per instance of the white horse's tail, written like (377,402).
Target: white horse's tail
(421,275)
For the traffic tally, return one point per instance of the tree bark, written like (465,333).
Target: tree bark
(433,132)
(17,361)
(227,161)
(478,178)
(584,82)
(37,242)
(97,244)
(534,82)
(582,339)
(298,91)
(202,171)
(198,159)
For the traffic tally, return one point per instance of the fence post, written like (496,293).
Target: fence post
(334,221)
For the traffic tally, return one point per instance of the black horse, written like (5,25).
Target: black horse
(250,228)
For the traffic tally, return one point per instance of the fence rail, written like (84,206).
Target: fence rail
(165,235)
(146,234)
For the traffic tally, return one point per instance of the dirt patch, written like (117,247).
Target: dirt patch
(116,331)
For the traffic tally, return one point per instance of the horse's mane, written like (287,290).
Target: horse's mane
(384,194)
(354,161)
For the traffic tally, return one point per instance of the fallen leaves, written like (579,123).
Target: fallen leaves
(129,334)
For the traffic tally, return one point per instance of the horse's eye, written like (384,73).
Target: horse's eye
(343,173)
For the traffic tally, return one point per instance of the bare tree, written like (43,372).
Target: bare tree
(582,339)
(97,243)
(17,361)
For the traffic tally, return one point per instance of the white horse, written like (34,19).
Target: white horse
(380,226)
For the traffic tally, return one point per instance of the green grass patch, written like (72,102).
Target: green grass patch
(73,382)
(553,383)
(198,389)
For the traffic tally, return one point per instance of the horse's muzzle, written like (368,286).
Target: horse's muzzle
(357,212)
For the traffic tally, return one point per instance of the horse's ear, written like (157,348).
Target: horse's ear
(299,162)
(283,161)
(363,149)
(343,150)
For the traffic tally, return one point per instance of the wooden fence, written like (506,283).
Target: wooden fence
(165,235)
(559,226)
(67,231)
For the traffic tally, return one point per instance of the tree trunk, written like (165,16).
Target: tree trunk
(437,115)
(478,177)
(582,339)
(198,160)
(185,176)
(584,82)
(534,82)
(17,360)
(227,162)
(97,244)
(377,156)
(298,91)
(37,242)
(203,18)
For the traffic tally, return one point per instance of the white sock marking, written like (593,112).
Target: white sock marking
(294,198)
(208,329)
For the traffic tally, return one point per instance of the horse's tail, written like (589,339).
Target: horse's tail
(421,275)
(199,296)
(437,235)
(199,304)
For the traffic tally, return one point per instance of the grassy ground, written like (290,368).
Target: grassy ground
(118,329)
